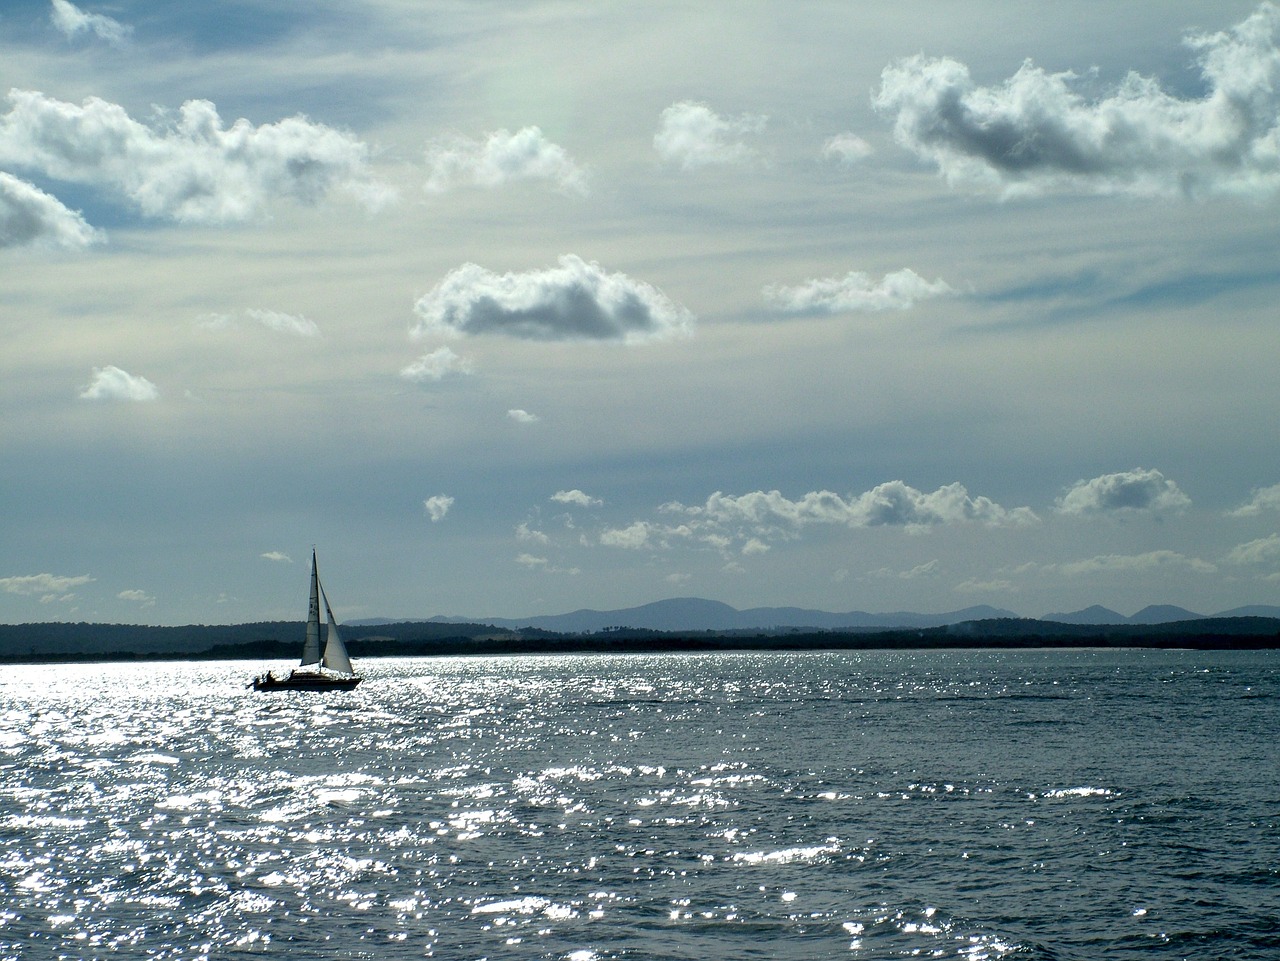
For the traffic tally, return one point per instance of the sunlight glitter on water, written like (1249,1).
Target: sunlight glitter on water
(769,806)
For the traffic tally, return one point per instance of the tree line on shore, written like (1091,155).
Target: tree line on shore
(282,640)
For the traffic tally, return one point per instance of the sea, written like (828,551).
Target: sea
(1030,804)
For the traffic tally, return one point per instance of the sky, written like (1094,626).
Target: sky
(519,308)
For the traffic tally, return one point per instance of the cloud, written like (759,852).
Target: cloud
(576,497)
(972,586)
(138,597)
(501,158)
(927,569)
(1120,563)
(112,383)
(297,325)
(436,366)
(31,217)
(846,148)
(522,416)
(1125,492)
(891,504)
(526,533)
(1263,499)
(535,563)
(437,506)
(192,170)
(42,583)
(73,21)
(856,292)
(692,135)
(575,301)
(1262,551)
(1035,133)
(632,537)
(280,557)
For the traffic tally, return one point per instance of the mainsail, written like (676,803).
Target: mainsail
(311,647)
(335,652)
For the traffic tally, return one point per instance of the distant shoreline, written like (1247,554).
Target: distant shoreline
(88,643)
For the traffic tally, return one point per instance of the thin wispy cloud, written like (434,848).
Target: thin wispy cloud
(856,292)
(502,158)
(1135,491)
(692,135)
(112,383)
(191,169)
(31,217)
(32,584)
(1037,132)
(577,300)
(75,22)
(278,557)
(1128,563)
(294,324)
(846,148)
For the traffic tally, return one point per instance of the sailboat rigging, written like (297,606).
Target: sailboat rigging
(327,670)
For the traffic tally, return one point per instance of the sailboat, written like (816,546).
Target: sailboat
(327,671)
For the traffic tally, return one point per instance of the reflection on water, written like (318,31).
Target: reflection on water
(975,805)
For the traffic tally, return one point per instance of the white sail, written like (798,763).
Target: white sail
(311,648)
(335,652)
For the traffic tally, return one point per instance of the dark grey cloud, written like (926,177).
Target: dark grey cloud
(576,300)
(31,217)
(1035,132)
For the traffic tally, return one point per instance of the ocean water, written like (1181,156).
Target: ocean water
(1028,804)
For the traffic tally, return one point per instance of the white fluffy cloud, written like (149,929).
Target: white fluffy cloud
(522,416)
(31,217)
(1263,499)
(73,21)
(1035,132)
(575,301)
(1125,492)
(751,520)
(577,497)
(436,365)
(856,292)
(893,504)
(192,170)
(437,506)
(42,583)
(1264,550)
(501,158)
(137,597)
(112,383)
(693,135)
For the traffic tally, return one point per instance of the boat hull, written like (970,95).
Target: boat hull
(304,681)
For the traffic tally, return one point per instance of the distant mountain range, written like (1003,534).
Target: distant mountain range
(698,614)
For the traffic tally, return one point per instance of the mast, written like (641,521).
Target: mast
(311,648)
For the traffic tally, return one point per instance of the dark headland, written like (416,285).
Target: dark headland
(62,642)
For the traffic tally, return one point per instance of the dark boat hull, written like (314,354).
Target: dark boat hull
(304,681)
